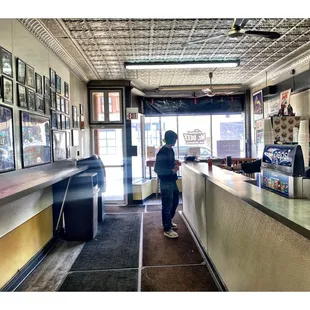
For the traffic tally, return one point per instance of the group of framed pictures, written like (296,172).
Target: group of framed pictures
(6,82)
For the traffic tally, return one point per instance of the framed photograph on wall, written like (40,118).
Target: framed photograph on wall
(46,83)
(66,89)
(7,159)
(52,78)
(7,90)
(21,96)
(63,121)
(58,84)
(258,105)
(58,103)
(82,122)
(74,116)
(39,104)
(81,109)
(68,143)
(36,142)
(66,106)
(58,121)
(31,100)
(20,71)
(47,104)
(67,122)
(53,99)
(54,120)
(30,77)
(62,104)
(75,137)
(6,63)
(59,145)
(39,88)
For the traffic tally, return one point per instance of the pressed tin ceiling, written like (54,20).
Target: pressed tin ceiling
(99,47)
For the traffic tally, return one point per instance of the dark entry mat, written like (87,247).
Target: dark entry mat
(160,250)
(158,207)
(177,279)
(115,246)
(118,209)
(102,281)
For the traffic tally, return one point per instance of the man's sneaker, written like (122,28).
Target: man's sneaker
(171,234)
(174,225)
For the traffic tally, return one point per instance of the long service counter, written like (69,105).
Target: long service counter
(256,240)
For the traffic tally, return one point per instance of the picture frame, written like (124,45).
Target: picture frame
(58,121)
(47,104)
(53,100)
(53,120)
(75,137)
(58,84)
(67,106)
(31,100)
(59,145)
(46,83)
(67,120)
(66,90)
(30,76)
(20,71)
(7,158)
(39,104)
(68,144)
(35,139)
(58,103)
(81,109)
(52,78)
(6,62)
(258,105)
(63,121)
(39,88)
(74,116)
(82,122)
(62,104)
(21,96)
(7,90)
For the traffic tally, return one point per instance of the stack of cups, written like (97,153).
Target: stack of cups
(303,139)
(268,132)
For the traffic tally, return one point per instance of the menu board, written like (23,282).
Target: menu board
(276,182)
(36,144)
(281,156)
(228,148)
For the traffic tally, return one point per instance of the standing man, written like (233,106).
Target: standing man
(166,168)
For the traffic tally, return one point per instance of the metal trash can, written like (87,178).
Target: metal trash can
(81,208)
(95,164)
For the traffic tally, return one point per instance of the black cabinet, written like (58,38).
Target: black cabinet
(81,207)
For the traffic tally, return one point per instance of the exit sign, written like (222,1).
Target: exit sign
(132,113)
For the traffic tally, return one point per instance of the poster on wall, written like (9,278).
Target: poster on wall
(285,101)
(7,161)
(258,105)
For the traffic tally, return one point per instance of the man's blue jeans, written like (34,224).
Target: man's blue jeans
(170,201)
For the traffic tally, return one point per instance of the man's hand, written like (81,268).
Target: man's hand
(175,169)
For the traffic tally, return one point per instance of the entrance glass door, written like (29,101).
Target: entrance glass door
(108,144)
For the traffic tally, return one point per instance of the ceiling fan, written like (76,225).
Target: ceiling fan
(237,30)
(209,91)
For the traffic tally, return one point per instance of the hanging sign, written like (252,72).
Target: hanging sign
(194,137)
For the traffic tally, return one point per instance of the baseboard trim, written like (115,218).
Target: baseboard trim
(25,271)
(211,267)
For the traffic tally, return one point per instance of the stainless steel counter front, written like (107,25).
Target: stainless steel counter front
(256,239)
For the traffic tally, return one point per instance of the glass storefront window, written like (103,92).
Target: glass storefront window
(228,135)
(136,140)
(114,106)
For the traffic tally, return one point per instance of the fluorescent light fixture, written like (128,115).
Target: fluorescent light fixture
(200,87)
(181,65)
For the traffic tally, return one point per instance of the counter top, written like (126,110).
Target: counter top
(25,182)
(294,213)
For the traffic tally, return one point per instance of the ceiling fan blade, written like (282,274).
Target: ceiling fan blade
(203,40)
(265,34)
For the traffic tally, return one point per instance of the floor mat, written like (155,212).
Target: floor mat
(102,281)
(118,209)
(160,250)
(177,279)
(158,207)
(115,246)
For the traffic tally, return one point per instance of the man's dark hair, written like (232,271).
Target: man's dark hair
(170,137)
